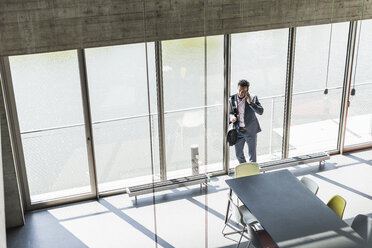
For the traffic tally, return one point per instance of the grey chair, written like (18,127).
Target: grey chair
(242,216)
(362,224)
(310,184)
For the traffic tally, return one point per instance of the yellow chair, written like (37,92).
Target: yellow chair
(337,204)
(242,170)
(247,169)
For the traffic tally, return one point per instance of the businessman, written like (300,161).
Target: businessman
(243,115)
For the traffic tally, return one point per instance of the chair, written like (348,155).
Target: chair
(242,170)
(362,224)
(247,169)
(242,216)
(310,184)
(337,204)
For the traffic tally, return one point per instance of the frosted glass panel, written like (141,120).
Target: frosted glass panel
(56,163)
(193,115)
(261,58)
(47,90)
(183,73)
(49,106)
(118,82)
(359,119)
(123,154)
(117,79)
(315,115)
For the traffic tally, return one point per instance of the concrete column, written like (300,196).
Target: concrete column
(13,207)
(2,206)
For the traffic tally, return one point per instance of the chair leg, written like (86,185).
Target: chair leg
(241,236)
(225,225)
(249,238)
(224,234)
(229,233)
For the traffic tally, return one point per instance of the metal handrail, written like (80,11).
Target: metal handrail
(180,110)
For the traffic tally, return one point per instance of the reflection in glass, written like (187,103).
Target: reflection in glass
(49,106)
(118,94)
(359,118)
(186,113)
(261,58)
(315,115)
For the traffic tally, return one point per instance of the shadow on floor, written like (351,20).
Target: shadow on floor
(41,230)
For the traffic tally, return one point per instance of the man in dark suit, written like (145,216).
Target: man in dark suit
(243,116)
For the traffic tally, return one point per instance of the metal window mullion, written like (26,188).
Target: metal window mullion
(347,85)
(88,122)
(14,132)
(226,119)
(160,105)
(288,91)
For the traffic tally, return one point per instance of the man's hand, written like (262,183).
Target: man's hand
(234,119)
(249,100)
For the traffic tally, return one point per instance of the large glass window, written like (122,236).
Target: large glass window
(49,106)
(315,115)
(117,78)
(359,118)
(261,58)
(193,103)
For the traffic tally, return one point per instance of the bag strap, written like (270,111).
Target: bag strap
(233,101)
(233,107)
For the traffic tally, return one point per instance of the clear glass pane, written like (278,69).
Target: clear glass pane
(117,79)
(315,115)
(359,118)
(192,115)
(261,58)
(49,106)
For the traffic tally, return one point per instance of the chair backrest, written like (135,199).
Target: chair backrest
(362,224)
(337,204)
(310,184)
(247,169)
(237,215)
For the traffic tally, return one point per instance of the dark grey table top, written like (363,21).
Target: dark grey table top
(290,213)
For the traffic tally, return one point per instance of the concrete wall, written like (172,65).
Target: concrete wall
(31,26)
(13,206)
(2,206)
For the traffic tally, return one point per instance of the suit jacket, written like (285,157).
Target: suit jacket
(250,119)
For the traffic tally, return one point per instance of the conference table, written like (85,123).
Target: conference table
(290,213)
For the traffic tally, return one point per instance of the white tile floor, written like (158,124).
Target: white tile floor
(184,217)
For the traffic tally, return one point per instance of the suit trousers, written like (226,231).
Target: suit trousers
(251,139)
